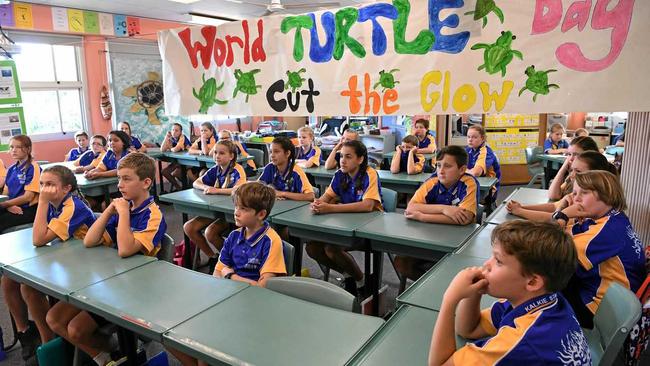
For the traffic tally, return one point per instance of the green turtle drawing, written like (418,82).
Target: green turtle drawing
(485,7)
(386,80)
(498,55)
(246,83)
(295,80)
(207,94)
(538,82)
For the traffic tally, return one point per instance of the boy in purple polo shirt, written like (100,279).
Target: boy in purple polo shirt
(533,324)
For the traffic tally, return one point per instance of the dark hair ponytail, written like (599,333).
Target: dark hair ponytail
(359,150)
(287,145)
(597,161)
(67,178)
(586,143)
(232,149)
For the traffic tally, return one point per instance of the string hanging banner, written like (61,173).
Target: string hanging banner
(415,57)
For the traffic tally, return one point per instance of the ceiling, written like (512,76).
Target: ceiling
(175,11)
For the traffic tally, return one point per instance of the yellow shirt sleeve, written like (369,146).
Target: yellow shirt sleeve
(421,194)
(306,186)
(419,164)
(145,237)
(316,158)
(275,261)
(469,202)
(60,225)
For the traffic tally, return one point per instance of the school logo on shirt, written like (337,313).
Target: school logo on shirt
(253,264)
(22,177)
(636,241)
(575,350)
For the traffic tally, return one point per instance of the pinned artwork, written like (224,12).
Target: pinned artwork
(147,96)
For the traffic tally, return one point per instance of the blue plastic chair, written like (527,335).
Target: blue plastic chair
(390,199)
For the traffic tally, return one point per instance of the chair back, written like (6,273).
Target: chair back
(313,290)
(390,199)
(534,163)
(258,156)
(167,249)
(616,315)
(288,252)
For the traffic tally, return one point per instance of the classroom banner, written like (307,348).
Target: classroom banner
(416,57)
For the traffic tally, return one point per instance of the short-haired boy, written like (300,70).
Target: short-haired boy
(81,138)
(406,158)
(134,224)
(533,324)
(450,196)
(252,253)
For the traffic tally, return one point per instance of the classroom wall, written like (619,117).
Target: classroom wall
(636,173)
(94,57)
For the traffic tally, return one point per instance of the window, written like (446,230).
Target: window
(52,89)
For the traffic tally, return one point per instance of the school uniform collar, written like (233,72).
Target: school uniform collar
(82,151)
(142,207)
(478,148)
(259,234)
(60,208)
(586,222)
(533,305)
(124,153)
(282,175)
(452,190)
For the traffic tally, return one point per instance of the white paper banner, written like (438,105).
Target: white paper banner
(416,57)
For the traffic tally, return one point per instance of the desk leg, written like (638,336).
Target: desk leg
(187,250)
(377,267)
(129,345)
(107,195)
(185,183)
(297,255)
(160,176)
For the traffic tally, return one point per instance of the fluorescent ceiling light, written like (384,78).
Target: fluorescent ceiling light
(207,20)
(184,1)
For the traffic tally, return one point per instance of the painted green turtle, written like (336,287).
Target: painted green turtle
(294,80)
(386,80)
(207,94)
(485,7)
(498,55)
(246,83)
(538,82)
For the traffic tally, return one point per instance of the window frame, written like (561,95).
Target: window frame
(80,85)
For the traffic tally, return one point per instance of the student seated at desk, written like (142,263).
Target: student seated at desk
(555,144)
(220,179)
(91,158)
(134,142)
(202,146)
(253,253)
(307,153)
(61,214)
(81,138)
(175,141)
(450,196)
(354,188)
(587,161)
(533,324)
(406,158)
(250,167)
(562,184)
(334,157)
(21,185)
(482,162)
(131,224)
(287,179)
(118,148)
(580,132)
(426,141)
(609,249)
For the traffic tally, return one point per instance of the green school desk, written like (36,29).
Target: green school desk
(97,187)
(154,152)
(555,161)
(3,198)
(526,196)
(183,158)
(208,161)
(336,228)
(17,246)
(322,177)
(72,268)
(403,340)
(394,233)
(480,244)
(427,292)
(193,202)
(227,208)
(261,327)
(154,298)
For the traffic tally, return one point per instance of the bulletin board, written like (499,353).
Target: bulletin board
(510,134)
(9,86)
(12,123)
